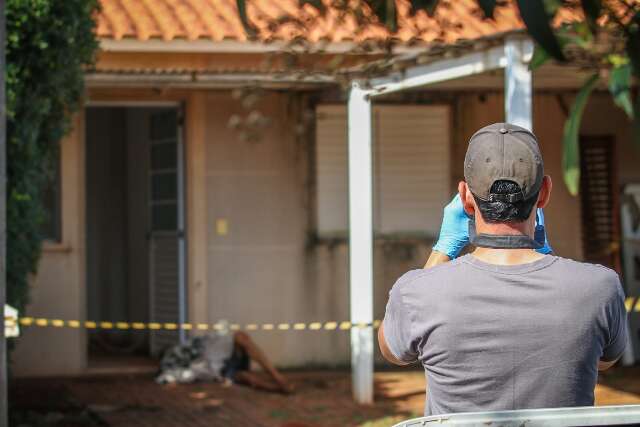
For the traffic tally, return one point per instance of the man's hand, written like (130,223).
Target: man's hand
(454,231)
(546,249)
(603,365)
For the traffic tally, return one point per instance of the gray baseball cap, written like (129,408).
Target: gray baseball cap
(503,151)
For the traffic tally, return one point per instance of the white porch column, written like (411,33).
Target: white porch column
(361,242)
(518,83)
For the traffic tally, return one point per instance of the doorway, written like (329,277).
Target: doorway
(135,222)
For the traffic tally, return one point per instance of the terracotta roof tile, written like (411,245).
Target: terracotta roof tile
(218,20)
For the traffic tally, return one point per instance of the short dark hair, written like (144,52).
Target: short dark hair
(501,211)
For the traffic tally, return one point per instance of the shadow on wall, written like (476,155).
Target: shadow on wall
(328,279)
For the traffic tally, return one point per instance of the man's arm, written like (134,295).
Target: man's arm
(384,348)
(454,234)
(397,333)
(603,365)
(616,321)
(436,258)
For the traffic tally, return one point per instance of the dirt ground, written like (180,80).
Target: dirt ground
(322,399)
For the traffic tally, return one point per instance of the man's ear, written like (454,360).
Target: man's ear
(545,192)
(467,198)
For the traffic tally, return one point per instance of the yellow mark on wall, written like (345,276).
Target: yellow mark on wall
(222,227)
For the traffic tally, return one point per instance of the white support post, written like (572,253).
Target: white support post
(361,242)
(518,90)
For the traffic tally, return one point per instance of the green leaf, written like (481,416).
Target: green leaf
(540,56)
(551,6)
(487,7)
(570,144)
(244,18)
(617,60)
(620,87)
(575,32)
(538,24)
(386,12)
(428,6)
(633,43)
(592,10)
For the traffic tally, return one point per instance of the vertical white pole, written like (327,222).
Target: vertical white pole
(361,241)
(518,90)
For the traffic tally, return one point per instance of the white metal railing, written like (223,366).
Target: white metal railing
(552,417)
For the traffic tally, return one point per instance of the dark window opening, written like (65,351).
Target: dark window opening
(51,227)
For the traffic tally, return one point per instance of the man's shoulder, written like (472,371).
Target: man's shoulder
(589,277)
(595,271)
(418,277)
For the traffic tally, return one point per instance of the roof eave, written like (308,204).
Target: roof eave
(206,80)
(239,46)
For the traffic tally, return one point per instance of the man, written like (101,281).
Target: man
(504,327)
(221,357)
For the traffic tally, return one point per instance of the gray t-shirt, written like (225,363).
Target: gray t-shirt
(494,337)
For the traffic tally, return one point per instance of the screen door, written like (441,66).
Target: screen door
(166,234)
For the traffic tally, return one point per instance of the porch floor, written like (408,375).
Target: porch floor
(322,399)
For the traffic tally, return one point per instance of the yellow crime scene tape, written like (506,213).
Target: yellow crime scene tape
(219,326)
(632,304)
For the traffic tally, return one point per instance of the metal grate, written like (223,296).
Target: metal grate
(165,291)
(166,233)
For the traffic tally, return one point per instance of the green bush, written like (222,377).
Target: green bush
(50,44)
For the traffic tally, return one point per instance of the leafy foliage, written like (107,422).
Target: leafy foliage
(592,10)
(49,45)
(620,87)
(536,18)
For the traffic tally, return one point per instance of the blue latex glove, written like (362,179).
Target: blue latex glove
(546,249)
(454,232)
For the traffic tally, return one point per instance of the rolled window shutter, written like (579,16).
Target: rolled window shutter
(331,169)
(411,168)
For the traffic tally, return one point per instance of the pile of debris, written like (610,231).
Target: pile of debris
(199,359)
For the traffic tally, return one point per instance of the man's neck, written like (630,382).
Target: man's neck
(506,256)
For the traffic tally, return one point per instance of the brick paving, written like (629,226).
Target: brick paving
(321,399)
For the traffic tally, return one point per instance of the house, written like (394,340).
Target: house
(205,179)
